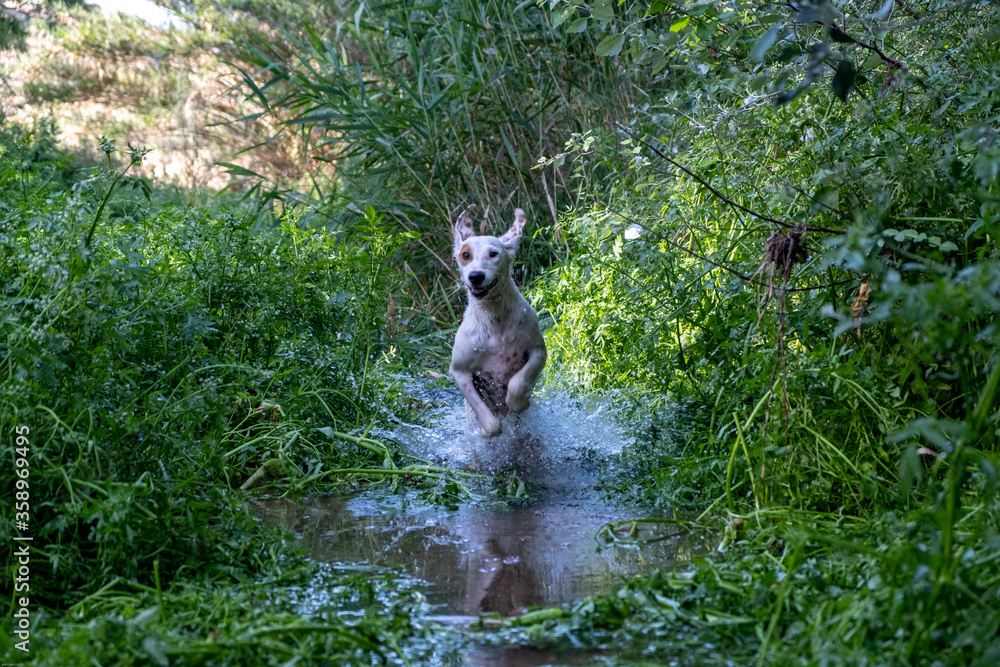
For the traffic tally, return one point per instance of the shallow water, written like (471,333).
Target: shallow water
(488,556)
(479,559)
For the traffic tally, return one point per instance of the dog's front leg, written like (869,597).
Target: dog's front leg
(523,381)
(489,425)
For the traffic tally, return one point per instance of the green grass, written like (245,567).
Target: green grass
(160,355)
(849,461)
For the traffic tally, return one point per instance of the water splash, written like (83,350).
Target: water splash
(490,557)
(559,442)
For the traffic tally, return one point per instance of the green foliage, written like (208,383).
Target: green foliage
(831,397)
(157,353)
(806,378)
(825,398)
(813,399)
(830,591)
(654,311)
(413,96)
(365,614)
(776,50)
(424,109)
(12,31)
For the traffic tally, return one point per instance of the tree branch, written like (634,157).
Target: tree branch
(780,223)
(947,9)
(729,269)
(843,36)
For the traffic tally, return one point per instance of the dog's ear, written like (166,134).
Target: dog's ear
(463,226)
(513,235)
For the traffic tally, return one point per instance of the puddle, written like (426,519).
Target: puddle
(479,559)
(521,656)
(491,557)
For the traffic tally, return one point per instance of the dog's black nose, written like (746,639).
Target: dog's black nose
(476,278)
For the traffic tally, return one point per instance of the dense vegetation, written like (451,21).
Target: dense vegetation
(159,354)
(768,229)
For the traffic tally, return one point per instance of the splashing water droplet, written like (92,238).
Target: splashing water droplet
(558,443)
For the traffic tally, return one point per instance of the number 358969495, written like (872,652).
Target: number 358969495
(21,443)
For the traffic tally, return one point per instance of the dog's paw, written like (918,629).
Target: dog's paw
(518,402)
(491,429)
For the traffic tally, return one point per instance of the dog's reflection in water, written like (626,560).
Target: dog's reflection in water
(502,575)
(502,572)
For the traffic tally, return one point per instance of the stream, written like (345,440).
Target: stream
(490,556)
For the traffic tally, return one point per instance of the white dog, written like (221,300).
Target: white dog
(499,350)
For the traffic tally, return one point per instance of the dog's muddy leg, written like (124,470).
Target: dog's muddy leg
(522,382)
(489,425)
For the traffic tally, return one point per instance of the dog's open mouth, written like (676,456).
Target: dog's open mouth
(482,290)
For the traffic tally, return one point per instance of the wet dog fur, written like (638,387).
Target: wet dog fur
(499,351)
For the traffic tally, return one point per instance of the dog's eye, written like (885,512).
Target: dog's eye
(465,255)
(493,253)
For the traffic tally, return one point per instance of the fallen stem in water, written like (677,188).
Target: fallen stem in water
(260,472)
(610,530)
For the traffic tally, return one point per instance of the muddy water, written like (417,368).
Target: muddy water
(480,559)
(488,556)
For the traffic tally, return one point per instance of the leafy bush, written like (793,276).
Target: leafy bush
(158,353)
(868,386)
(425,109)
(681,303)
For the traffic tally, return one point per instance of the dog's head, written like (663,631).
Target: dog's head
(483,261)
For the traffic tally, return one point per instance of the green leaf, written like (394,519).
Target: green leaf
(611,45)
(602,11)
(910,469)
(577,25)
(764,43)
(843,80)
(872,61)
(680,25)
(840,36)
(788,53)
(236,170)
(807,15)
(659,63)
